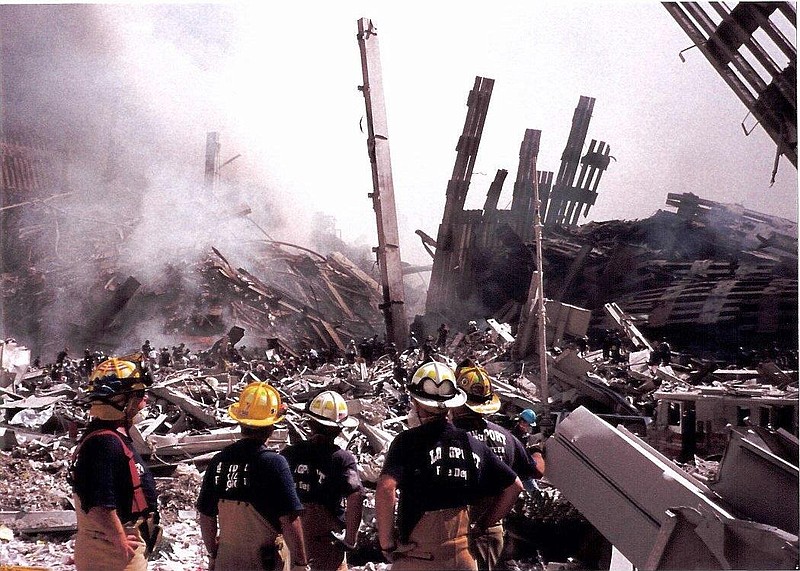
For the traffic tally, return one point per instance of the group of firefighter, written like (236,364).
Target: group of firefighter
(456,473)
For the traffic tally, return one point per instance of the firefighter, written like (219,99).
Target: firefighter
(115,494)
(439,471)
(482,401)
(327,482)
(248,507)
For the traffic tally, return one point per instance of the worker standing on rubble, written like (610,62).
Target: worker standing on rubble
(327,482)
(528,432)
(439,471)
(115,494)
(471,416)
(248,507)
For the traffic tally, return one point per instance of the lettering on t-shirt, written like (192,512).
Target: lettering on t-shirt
(303,469)
(495,440)
(454,453)
(235,476)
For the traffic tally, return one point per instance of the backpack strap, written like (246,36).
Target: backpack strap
(139,503)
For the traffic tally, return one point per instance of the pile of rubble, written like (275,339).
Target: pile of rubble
(186,424)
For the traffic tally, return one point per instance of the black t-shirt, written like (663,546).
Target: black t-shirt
(505,445)
(323,474)
(438,466)
(247,471)
(101,473)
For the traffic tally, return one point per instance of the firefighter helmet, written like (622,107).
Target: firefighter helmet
(477,383)
(434,385)
(258,405)
(115,377)
(330,409)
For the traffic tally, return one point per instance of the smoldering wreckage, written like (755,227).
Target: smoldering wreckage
(660,356)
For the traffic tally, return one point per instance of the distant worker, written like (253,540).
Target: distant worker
(327,482)
(248,506)
(62,356)
(583,345)
(439,471)
(482,401)
(664,352)
(115,493)
(527,431)
(441,337)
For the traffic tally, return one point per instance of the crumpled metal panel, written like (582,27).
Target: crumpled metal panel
(626,489)
(757,483)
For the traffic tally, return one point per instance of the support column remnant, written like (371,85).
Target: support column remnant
(388,250)
(212,161)
(446,260)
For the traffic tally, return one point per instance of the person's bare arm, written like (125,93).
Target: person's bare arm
(108,520)
(208,531)
(384,511)
(292,530)
(352,517)
(538,458)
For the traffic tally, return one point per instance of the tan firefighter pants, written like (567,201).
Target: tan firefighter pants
(439,541)
(94,550)
(248,541)
(324,553)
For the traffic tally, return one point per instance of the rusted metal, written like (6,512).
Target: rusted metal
(388,250)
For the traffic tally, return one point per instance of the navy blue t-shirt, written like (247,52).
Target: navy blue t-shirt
(438,466)
(101,473)
(505,445)
(323,473)
(247,471)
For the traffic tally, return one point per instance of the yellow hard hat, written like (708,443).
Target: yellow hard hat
(477,383)
(259,405)
(330,409)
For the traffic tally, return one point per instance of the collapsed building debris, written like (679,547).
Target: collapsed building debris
(185,424)
(619,483)
(707,267)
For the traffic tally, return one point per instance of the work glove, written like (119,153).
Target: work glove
(340,539)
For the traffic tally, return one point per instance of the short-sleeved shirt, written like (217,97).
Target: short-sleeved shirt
(101,473)
(438,466)
(247,471)
(323,474)
(505,445)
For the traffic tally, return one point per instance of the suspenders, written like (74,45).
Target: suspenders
(139,503)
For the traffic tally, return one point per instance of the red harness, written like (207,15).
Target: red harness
(139,504)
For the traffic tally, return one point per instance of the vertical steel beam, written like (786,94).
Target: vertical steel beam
(493,196)
(570,159)
(212,161)
(388,250)
(444,275)
(522,200)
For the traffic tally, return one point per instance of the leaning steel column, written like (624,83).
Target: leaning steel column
(388,250)
(448,263)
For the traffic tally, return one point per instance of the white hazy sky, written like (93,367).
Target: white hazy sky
(285,97)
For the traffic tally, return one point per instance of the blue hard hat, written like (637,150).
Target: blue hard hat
(528,416)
